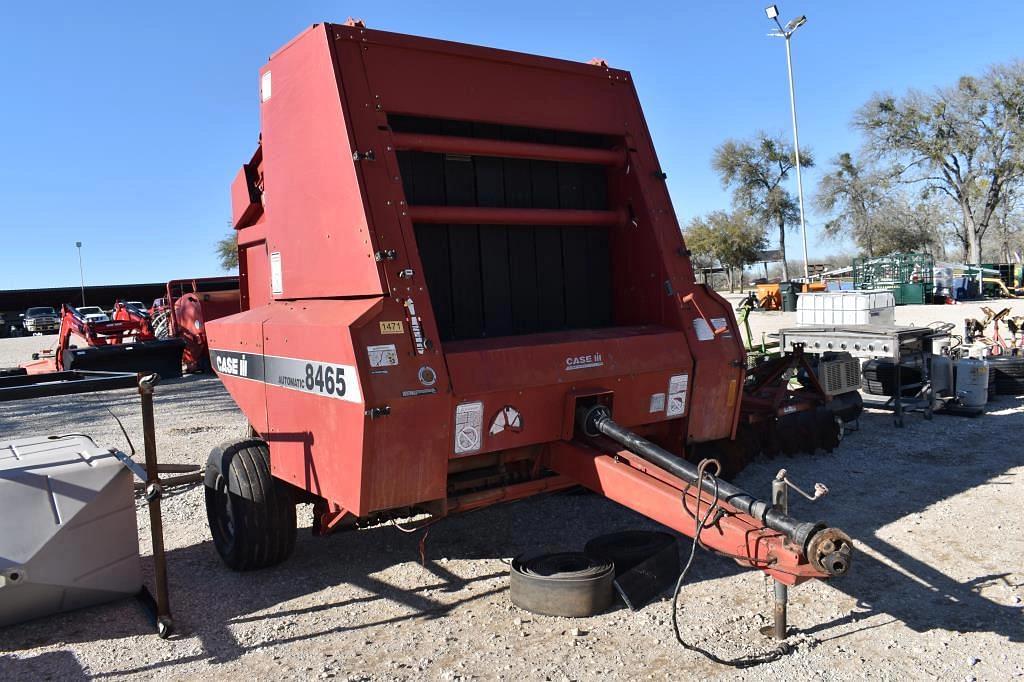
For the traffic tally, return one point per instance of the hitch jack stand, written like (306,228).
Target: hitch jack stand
(780,500)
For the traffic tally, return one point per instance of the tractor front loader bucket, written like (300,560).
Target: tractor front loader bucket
(161,357)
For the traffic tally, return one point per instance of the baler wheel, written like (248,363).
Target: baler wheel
(251,514)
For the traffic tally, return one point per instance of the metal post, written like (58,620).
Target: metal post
(81,271)
(780,500)
(154,491)
(796,152)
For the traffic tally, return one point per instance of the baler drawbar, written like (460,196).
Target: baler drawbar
(463,283)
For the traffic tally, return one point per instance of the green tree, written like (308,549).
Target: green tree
(227,251)
(732,239)
(755,171)
(965,142)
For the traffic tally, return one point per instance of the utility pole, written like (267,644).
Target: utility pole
(773,13)
(81,272)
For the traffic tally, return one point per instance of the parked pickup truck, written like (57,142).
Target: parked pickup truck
(41,320)
(93,313)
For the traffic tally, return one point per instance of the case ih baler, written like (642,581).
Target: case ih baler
(463,283)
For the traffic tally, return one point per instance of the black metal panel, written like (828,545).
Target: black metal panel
(63,383)
(492,280)
(525,293)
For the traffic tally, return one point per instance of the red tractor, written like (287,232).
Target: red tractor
(185,310)
(463,283)
(123,344)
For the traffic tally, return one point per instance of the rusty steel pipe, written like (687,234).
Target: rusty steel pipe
(483,215)
(154,491)
(472,146)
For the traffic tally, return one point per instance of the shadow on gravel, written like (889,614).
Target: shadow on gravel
(21,417)
(51,665)
(923,471)
(209,601)
(923,466)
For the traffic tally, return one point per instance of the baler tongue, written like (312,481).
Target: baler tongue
(161,357)
(799,549)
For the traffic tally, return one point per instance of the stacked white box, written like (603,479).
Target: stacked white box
(846,307)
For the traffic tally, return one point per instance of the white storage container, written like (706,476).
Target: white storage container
(846,307)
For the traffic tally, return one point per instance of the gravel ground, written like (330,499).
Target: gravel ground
(935,590)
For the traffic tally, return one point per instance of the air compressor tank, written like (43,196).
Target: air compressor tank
(972,382)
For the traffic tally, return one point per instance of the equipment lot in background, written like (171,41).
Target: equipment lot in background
(938,588)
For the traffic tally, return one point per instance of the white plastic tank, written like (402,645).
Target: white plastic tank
(846,307)
(972,382)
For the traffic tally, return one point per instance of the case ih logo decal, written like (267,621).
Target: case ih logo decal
(234,364)
(325,379)
(583,361)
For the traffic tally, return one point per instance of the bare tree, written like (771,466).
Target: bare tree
(755,171)
(964,142)
(853,194)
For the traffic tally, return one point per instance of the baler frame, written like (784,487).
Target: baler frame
(428,142)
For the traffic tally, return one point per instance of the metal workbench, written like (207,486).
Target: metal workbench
(875,341)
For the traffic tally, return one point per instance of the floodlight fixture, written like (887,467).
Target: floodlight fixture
(796,23)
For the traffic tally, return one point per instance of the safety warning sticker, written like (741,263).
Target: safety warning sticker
(469,418)
(677,395)
(657,403)
(507,418)
(276,279)
(383,355)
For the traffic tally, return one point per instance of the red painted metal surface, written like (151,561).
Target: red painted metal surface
(629,480)
(476,146)
(193,303)
(333,283)
(472,215)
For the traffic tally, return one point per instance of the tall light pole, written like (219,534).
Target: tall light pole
(773,13)
(81,272)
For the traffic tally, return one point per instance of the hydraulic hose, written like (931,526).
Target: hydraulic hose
(596,420)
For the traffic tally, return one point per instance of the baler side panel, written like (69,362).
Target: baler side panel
(317,219)
(316,436)
(242,334)
(379,177)
(719,359)
(404,460)
(253,271)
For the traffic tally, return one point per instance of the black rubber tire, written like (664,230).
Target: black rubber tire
(847,406)
(627,548)
(568,584)
(879,377)
(251,514)
(1008,372)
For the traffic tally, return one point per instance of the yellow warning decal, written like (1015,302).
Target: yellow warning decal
(392,327)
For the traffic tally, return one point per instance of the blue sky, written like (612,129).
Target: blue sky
(123,123)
